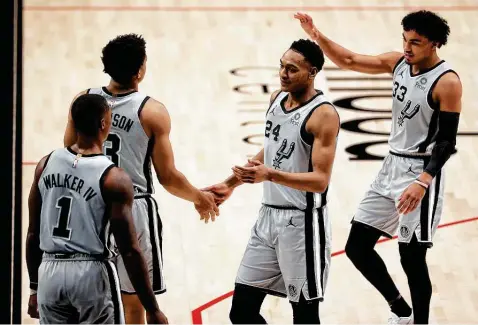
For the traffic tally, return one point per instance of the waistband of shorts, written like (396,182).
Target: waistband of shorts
(282,207)
(411,155)
(140,194)
(72,257)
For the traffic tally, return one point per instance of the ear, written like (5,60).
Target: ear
(103,124)
(313,72)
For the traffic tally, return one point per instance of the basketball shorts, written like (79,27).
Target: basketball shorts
(149,231)
(288,253)
(78,288)
(378,208)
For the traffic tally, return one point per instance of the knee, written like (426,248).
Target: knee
(354,251)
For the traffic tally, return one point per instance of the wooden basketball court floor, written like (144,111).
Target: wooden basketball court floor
(213,64)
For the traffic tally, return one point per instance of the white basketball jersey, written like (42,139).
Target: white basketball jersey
(73,216)
(288,147)
(414,117)
(127,145)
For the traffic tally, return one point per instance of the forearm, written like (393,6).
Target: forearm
(308,182)
(33,257)
(444,146)
(138,274)
(339,55)
(178,185)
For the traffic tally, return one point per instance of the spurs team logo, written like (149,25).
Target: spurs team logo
(408,113)
(281,154)
(292,290)
(295,119)
(404,231)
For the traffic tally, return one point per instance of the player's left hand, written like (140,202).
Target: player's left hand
(410,198)
(254,174)
(33,307)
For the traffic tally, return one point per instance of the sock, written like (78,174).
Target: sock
(400,307)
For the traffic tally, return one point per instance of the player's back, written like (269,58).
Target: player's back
(128,146)
(73,213)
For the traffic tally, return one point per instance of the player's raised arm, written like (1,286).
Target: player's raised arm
(346,59)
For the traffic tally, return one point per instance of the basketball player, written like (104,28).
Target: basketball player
(76,195)
(407,194)
(140,134)
(288,254)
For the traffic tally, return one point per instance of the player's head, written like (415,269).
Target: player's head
(91,116)
(423,32)
(299,65)
(124,59)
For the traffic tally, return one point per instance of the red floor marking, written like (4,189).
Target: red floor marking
(196,313)
(249,8)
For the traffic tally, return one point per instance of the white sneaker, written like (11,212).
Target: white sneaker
(394,319)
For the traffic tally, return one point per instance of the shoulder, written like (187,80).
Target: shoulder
(155,116)
(449,82)
(324,119)
(274,95)
(448,90)
(117,184)
(41,165)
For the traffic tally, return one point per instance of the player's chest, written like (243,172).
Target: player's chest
(279,125)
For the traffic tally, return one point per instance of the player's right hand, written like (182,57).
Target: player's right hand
(206,206)
(306,23)
(157,317)
(33,307)
(221,192)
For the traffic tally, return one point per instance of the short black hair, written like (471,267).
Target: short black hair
(428,24)
(123,56)
(311,52)
(87,111)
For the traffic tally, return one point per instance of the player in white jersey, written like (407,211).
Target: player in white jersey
(140,135)
(76,196)
(288,254)
(407,194)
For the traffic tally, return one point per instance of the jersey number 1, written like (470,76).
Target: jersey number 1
(62,230)
(112,147)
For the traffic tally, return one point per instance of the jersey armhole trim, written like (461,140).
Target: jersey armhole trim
(44,168)
(102,179)
(273,101)
(88,90)
(397,64)
(430,102)
(307,137)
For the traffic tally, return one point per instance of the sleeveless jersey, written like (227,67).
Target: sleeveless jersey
(288,147)
(414,116)
(73,210)
(127,145)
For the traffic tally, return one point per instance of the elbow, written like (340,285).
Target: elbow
(321,183)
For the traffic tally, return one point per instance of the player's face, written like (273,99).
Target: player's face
(294,72)
(416,47)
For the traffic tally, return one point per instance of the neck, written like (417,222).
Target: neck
(298,98)
(426,63)
(116,88)
(88,145)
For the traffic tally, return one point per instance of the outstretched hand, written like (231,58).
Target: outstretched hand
(306,23)
(256,173)
(206,206)
(220,191)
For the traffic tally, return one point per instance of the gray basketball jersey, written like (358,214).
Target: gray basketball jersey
(127,145)
(288,147)
(414,117)
(73,210)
